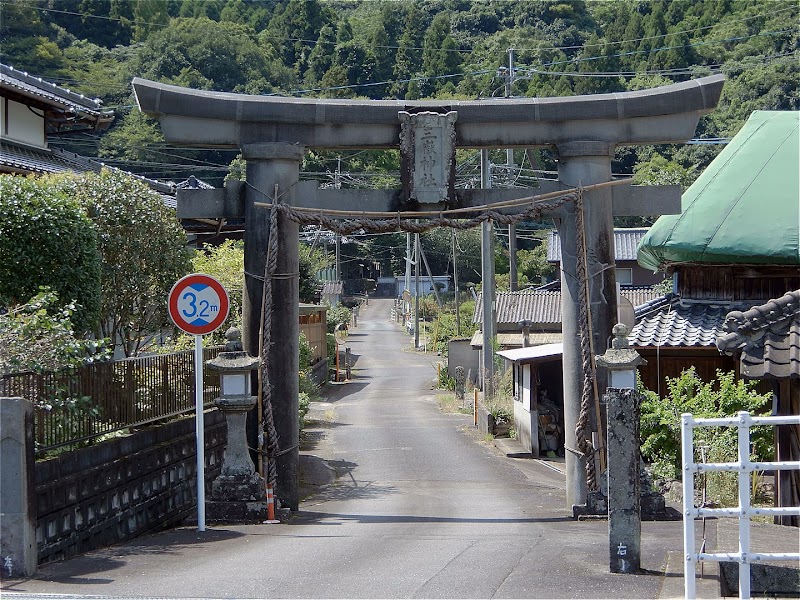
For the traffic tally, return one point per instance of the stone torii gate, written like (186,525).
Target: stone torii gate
(273,133)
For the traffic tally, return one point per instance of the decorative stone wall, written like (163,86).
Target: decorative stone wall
(120,489)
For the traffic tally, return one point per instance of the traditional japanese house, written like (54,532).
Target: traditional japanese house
(766,342)
(734,246)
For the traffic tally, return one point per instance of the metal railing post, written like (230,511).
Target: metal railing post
(689,554)
(744,504)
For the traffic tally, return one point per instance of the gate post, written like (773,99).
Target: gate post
(582,163)
(270,165)
(18,551)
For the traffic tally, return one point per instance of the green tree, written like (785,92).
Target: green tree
(46,239)
(226,264)
(209,55)
(440,55)
(660,171)
(144,253)
(321,57)
(149,16)
(27,42)
(408,60)
(533,264)
(294,29)
(312,260)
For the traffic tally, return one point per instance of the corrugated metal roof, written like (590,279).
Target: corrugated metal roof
(673,324)
(744,208)
(543,306)
(532,353)
(35,87)
(514,340)
(626,242)
(768,337)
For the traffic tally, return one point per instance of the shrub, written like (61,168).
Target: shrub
(338,315)
(661,427)
(304,403)
(46,239)
(39,336)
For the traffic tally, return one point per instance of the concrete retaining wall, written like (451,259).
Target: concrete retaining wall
(459,352)
(122,488)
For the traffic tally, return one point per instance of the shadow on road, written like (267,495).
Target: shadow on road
(306,517)
(338,391)
(172,542)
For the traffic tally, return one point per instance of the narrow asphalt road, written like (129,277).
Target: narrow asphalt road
(405,502)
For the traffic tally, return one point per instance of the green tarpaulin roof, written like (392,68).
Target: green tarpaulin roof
(744,208)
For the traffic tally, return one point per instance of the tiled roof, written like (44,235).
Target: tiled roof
(626,242)
(768,337)
(22,159)
(193,183)
(672,324)
(19,158)
(84,108)
(543,306)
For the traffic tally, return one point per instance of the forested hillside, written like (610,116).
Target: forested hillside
(407,50)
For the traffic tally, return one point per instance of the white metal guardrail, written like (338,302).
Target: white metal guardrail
(743,421)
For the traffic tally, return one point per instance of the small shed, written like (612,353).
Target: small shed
(538,397)
(314,325)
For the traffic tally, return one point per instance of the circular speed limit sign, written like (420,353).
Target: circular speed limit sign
(198,304)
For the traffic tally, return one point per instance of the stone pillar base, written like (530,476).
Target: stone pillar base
(236,512)
(238,488)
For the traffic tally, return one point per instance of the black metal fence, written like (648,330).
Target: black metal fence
(78,405)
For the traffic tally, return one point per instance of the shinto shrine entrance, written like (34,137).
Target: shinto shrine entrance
(273,133)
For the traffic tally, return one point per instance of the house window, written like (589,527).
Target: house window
(624,276)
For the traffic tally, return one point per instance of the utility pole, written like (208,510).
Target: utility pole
(416,291)
(487,277)
(512,229)
(338,257)
(406,304)
(430,276)
(455,283)
(337,183)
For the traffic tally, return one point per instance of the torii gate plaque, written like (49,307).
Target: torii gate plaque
(273,132)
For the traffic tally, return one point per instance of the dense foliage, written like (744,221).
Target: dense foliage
(46,239)
(406,50)
(144,252)
(661,420)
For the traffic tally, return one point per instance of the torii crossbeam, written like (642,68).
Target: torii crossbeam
(273,132)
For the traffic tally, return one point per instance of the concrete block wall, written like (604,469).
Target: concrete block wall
(120,489)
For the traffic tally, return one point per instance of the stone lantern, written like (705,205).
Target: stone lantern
(621,360)
(238,494)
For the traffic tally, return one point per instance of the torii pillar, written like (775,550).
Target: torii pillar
(271,168)
(583,163)
(271,131)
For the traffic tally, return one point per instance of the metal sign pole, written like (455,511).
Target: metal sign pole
(200,432)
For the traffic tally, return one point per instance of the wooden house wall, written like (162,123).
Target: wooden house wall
(671,362)
(736,283)
(315,328)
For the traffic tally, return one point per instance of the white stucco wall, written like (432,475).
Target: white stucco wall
(24,125)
